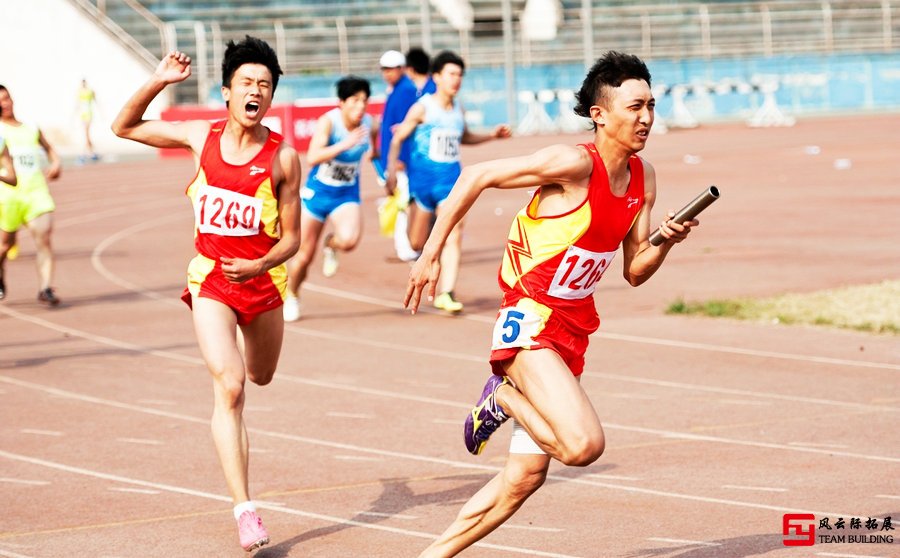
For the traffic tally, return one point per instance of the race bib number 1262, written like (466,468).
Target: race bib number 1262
(226,213)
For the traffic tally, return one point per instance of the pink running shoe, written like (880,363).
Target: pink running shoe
(251,531)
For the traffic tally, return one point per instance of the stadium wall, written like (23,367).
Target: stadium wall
(807,85)
(51,47)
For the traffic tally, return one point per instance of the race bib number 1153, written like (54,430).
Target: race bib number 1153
(226,213)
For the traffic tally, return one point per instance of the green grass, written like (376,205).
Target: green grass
(871,308)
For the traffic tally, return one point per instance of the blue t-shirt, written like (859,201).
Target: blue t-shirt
(397,105)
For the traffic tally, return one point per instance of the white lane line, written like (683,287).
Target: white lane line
(836,555)
(640,396)
(531,528)
(746,402)
(624,337)
(160,402)
(98,265)
(890,496)
(740,392)
(454,422)
(8,554)
(603,476)
(417,457)
(817,445)
(140,441)
(757,488)
(386,515)
(750,443)
(135,490)
(683,541)
(667,434)
(357,458)
(261,505)
(339,414)
(40,432)
(92,217)
(24,481)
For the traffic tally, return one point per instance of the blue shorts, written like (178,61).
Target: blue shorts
(428,195)
(322,201)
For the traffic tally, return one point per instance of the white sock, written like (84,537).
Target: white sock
(243,507)
(401,239)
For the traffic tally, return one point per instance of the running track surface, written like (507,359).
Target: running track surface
(715,428)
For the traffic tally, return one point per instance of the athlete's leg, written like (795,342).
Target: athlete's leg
(496,502)
(419,226)
(298,266)
(41,228)
(450,258)
(7,241)
(261,345)
(215,325)
(549,402)
(347,222)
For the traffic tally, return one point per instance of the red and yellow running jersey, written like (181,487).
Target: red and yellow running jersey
(235,206)
(558,260)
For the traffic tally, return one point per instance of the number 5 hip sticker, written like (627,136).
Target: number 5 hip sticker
(518,325)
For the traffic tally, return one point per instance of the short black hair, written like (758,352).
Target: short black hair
(610,71)
(349,86)
(446,57)
(418,60)
(249,51)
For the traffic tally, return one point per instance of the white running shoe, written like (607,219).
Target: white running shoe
(291,308)
(329,261)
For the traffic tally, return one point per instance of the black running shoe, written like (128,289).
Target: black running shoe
(2,289)
(48,296)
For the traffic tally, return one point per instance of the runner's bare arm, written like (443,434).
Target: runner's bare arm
(414,117)
(501,131)
(6,165)
(130,124)
(642,259)
(287,175)
(565,165)
(55,168)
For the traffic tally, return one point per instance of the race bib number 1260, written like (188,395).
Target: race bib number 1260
(226,213)
(578,273)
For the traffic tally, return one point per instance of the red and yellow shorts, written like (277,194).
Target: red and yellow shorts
(530,325)
(248,299)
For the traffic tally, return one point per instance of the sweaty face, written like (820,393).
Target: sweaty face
(250,94)
(630,114)
(449,79)
(354,107)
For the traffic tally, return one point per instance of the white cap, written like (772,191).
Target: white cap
(392,59)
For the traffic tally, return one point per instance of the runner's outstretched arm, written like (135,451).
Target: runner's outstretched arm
(563,165)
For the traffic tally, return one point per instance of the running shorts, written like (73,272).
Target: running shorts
(529,326)
(323,201)
(248,299)
(20,208)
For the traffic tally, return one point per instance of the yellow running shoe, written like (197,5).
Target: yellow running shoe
(13,252)
(447,303)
